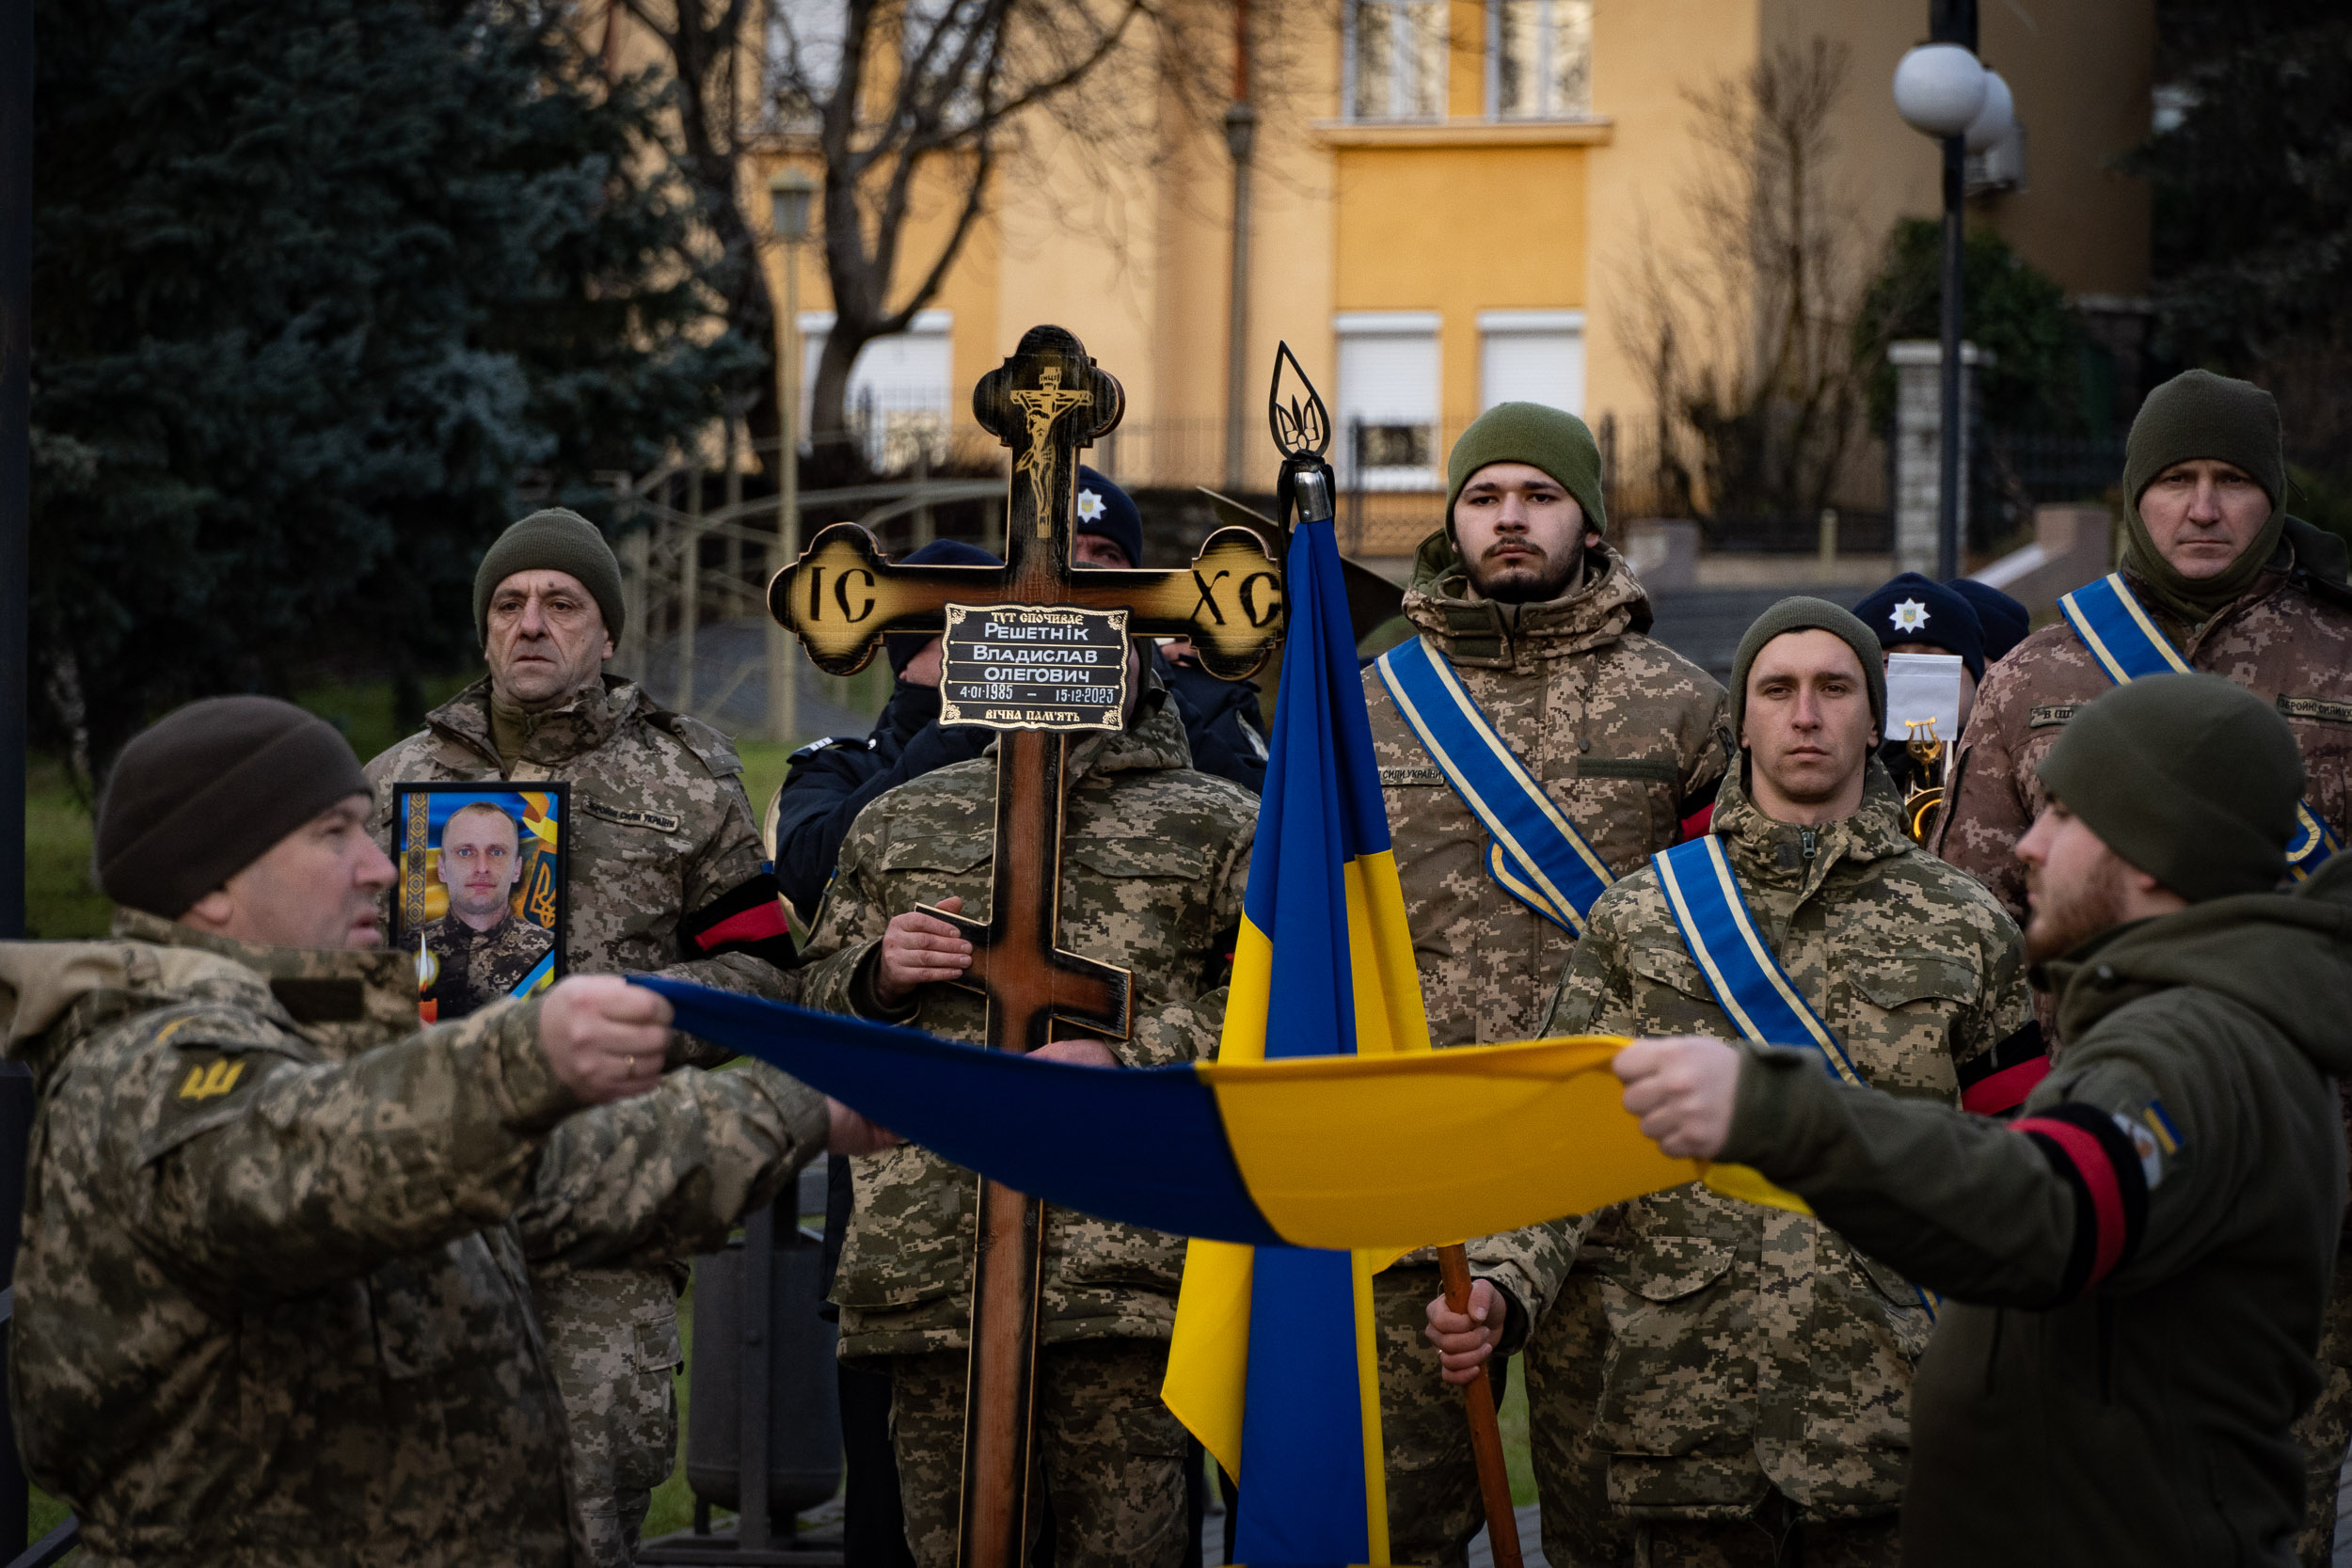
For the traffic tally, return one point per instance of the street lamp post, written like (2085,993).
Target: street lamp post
(1943,91)
(789,192)
(1240,135)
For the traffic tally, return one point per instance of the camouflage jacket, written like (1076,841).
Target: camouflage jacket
(1750,1345)
(1154,858)
(476,968)
(1624,733)
(2288,639)
(266,1311)
(664,854)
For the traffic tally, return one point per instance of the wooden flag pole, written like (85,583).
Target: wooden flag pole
(1494,1479)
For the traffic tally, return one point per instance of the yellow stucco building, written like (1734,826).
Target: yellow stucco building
(1448,203)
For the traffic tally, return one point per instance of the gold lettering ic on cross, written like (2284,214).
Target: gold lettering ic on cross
(842,594)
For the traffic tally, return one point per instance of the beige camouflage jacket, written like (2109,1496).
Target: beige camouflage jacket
(662,846)
(1622,731)
(2288,639)
(1154,860)
(267,1311)
(1750,1345)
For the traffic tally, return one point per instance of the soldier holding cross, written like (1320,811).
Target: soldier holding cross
(1111,875)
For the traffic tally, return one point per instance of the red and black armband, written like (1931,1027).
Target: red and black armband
(747,918)
(2094,1157)
(1999,1081)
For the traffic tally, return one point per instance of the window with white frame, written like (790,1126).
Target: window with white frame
(1395,59)
(1541,59)
(1532,356)
(1387,434)
(901,389)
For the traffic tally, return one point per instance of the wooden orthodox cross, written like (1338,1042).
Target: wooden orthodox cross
(1036,649)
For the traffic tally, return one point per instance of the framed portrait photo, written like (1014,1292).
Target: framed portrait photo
(480,904)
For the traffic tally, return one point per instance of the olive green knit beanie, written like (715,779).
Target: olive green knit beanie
(2199,414)
(2191,778)
(555,540)
(1543,437)
(1801,613)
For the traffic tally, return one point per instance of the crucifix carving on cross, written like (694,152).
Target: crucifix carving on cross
(1036,650)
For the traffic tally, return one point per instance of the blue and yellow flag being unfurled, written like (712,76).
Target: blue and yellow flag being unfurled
(1273,1364)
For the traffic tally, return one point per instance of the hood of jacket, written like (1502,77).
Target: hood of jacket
(1781,854)
(1155,740)
(551,736)
(2286,956)
(56,995)
(1608,603)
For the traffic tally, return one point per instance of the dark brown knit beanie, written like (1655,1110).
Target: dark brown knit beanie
(206,791)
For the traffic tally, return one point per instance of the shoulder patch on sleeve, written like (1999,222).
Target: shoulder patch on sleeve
(2043,716)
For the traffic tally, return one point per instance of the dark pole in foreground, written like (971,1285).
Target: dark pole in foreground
(16,277)
(1947,478)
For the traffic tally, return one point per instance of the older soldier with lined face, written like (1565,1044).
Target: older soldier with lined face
(1756,1367)
(667,873)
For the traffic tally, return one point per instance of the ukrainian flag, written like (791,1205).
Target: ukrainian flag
(1273,1366)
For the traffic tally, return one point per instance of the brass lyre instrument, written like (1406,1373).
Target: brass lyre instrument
(1928,752)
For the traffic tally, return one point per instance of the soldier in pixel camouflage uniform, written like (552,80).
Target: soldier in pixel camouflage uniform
(267,1309)
(1758,1369)
(2239,589)
(666,874)
(1154,860)
(1543,625)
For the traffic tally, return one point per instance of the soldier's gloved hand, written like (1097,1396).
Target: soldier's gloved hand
(603,1037)
(1465,1340)
(848,1133)
(1079,1053)
(1682,1087)
(917,950)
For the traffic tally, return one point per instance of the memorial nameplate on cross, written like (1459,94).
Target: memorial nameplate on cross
(1037,649)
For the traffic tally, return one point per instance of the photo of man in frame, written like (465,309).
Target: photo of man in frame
(496,874)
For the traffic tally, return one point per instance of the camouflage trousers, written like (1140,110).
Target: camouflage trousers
(2326,1429)
(1566,1353)
(1109,1455)
(1434,1506)
(1777,1535)
(612,1335)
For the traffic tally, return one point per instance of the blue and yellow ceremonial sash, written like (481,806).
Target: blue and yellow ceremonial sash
(1536,855)
(2112,625)
(1750,986)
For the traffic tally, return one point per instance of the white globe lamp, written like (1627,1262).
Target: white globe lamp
(1994,122)
(1940,88)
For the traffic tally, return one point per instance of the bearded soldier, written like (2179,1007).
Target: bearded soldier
(2216,576)
(666,874)
(1154,860)
(1531,716)
(2130,1334)
(1757,1368)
